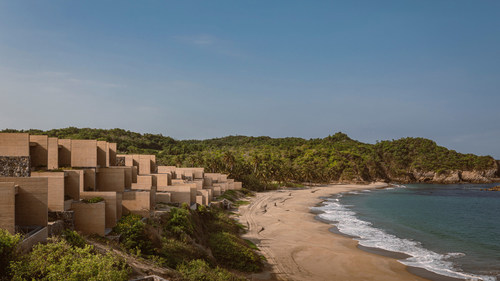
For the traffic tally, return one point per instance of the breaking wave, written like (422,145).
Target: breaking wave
(346,222)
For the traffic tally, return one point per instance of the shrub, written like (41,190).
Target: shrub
(8,244)
(176,252)
(179,223)
(73,238)
(57,260)
(234,253)
(199,270)
(93,200)
(133,236)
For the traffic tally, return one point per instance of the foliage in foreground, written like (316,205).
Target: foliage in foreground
(261,162)
(58,260)
(8,244)
(199,270)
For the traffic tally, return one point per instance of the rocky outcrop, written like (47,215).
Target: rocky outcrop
(477,177)
(446,177)
(15,166)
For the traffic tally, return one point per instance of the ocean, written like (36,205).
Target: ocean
(451,230)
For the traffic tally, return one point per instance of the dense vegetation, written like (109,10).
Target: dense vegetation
(59,259)
(200,243)
(260,162)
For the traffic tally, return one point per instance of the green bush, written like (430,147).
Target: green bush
(199,270)
(179,223)
(57,260)
(176,252)
(233,252)
(8,244)
(93,200)
(133,235)
(73,238)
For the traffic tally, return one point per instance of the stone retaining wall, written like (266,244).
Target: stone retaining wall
(15,166)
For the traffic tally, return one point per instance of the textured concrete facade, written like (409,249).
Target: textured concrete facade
(90,218)
(112,153)
(55,192)
(64,152)
(89,180)
(112,201)
(136,202)
(102,154)
(163,179)
(74,183)
(163,197)
(53,154)
(16,144)
(39,151)
(31,200)
(8,206)
(110,179)
(179,194)
(84,153)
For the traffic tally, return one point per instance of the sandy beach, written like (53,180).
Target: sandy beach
(298,247)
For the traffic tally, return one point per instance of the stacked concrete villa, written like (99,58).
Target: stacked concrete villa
(46,184)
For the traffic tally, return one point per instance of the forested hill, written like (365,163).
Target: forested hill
(260,162)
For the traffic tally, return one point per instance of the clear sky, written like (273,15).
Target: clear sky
(200,69)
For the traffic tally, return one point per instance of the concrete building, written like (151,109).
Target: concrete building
(32,185)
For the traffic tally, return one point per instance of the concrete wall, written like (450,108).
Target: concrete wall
(163,197)
(55,193)
(84,153)
(128,175)
(205,195)
(38,237)
(178,194)
(217,190)
(214,176)
(14,144)
(90,218)
(144,164)
(53,154)
(31,200)
(64,152)
(134,174)
(144,182)
(166,169)
(199,200)
(110,179)
(74,183)
(238,185)
(89,180)
(163,179)
(111,201)
(137,202)
(39,150)
(8,206)
(102,154)
(112,153)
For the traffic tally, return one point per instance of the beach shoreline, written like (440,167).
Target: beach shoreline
(299,247)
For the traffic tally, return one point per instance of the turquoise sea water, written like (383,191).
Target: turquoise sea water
(452,230)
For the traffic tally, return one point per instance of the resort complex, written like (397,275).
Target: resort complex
(49,184)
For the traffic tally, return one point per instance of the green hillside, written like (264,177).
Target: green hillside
(261,162)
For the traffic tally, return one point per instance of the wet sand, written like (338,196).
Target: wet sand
(298,247)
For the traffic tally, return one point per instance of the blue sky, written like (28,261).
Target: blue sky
(199,69)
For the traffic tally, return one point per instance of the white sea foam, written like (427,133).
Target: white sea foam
(345,220)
